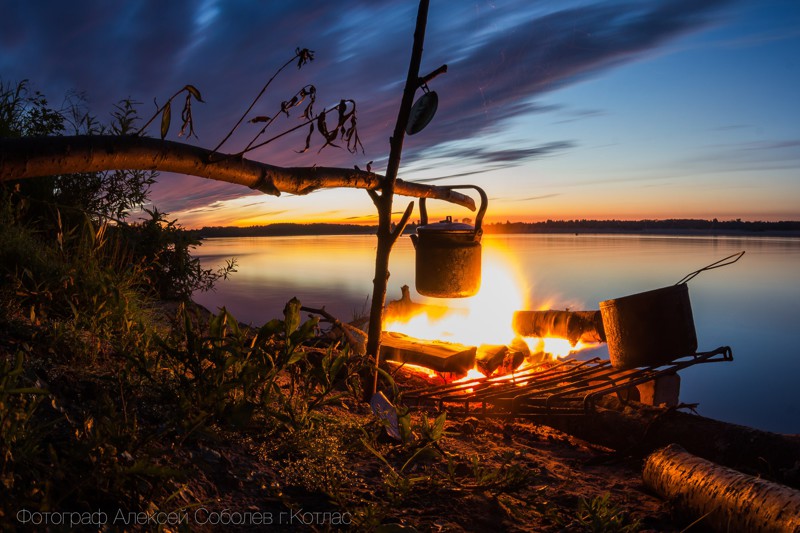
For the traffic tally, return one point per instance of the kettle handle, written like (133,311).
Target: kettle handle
(423,210)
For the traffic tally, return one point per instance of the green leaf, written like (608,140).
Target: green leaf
(390,380)
(291,315)
(19,361)
(305,331)
(230,361)
(216,326)
(166,117)
(438,426)
(296,356)
(335,398)
(336,366)
(271,328)
(404,425)
(193,90)
(232,323)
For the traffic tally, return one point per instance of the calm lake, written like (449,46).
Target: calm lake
(752,306)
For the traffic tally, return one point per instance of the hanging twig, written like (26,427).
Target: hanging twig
(166,113)
(309,91)
(303,56)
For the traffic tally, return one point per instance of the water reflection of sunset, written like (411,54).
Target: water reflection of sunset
(560,271)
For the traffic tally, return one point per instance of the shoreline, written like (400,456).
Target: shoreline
(789,234)
(669,227)
(661,232)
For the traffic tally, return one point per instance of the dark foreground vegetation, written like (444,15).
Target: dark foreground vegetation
(123,406)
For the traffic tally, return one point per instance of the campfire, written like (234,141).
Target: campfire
(485,335)
(492,351)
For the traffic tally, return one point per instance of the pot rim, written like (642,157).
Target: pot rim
(679,289)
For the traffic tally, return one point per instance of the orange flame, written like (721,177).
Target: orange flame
(485,318)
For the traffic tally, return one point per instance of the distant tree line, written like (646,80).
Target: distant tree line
(638,226)
(286,230)
(549,226)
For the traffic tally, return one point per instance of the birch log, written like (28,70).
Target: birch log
(727,500)
(584,326)
(440,356)
(31,157)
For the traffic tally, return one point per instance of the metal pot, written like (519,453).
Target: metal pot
(653,327)
(649,328)
(448,254)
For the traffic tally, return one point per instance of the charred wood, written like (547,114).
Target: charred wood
(584,326)
(500,359)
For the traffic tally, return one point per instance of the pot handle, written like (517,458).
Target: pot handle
(423,210)
(721,263)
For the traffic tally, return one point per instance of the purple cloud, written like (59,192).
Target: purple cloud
(501,57)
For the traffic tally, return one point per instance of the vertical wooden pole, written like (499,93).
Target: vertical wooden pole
(383,203)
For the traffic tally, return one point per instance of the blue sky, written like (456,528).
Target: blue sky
(559,109)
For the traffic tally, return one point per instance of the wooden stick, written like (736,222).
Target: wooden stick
(428,77)
(384,202)
(354,336)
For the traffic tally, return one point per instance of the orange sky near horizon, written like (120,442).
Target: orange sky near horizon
(342,206)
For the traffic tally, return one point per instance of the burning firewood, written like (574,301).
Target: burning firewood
(583,326)
(727,500)
(405,308)
(437,355)
(499,359)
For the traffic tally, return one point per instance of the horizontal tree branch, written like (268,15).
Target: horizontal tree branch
(30,157)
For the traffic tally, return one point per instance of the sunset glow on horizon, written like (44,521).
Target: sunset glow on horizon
(559,110)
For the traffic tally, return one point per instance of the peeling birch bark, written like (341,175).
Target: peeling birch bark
(727,499)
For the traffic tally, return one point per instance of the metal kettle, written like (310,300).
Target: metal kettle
(448,254)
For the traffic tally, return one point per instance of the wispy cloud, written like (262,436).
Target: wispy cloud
(506,156)
(540,197)
(502,56)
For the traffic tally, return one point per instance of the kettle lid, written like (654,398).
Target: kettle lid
(446,226)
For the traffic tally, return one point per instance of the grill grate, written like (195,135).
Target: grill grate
(563,388)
